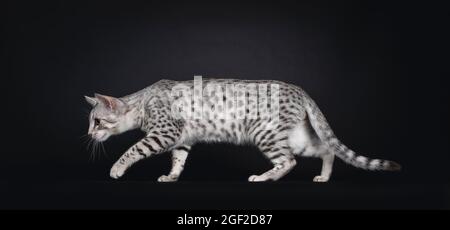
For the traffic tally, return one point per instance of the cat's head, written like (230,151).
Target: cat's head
(109,116)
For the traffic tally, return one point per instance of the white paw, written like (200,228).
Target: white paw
(168,178)
(256,178)
(320,179)
(117,171)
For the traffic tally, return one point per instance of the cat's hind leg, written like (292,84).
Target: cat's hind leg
(327,167)
(274,146)
(283,162)
(179,155)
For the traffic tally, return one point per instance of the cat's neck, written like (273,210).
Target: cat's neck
(135,118)
(135,98)
(135,102)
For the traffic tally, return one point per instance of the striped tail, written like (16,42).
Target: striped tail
(326,135)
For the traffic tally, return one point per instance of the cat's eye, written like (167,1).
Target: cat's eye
(96,121)
(109,121)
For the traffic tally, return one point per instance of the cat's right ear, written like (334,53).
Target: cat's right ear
(92,101)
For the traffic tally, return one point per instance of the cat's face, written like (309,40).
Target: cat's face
(109,116)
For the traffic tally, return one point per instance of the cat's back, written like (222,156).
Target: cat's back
(168,84)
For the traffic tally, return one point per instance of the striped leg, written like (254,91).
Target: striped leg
(274,146)
(148,146)
(283,162)
(179,156)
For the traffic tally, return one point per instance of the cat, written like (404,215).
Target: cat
(232,111)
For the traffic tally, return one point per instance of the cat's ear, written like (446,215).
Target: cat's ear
(92,101)
(112,103)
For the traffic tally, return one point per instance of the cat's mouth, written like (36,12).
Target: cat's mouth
(100,137)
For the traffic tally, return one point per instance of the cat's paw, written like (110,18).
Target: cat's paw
(117,171)
(321,179)
(168,178)
(256,178)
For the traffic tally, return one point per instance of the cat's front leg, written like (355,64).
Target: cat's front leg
(179,155)
(150,145)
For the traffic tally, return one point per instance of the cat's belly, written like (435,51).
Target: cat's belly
(230,131)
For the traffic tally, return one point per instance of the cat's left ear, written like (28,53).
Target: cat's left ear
(112,103)
(92,101)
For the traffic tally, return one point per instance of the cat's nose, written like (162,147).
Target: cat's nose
(90,131)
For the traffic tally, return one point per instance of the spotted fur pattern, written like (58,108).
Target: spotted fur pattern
(302,129)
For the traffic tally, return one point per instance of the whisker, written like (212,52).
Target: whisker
(104,151)
(91,159)
(95,149)
(90,141)
(90,155)
(85,139)
(98,150)
(92,145)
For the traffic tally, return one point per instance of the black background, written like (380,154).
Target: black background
(374,68)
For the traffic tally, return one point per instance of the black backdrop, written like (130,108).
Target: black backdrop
(373,68)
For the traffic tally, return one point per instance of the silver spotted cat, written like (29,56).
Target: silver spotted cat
(278,118)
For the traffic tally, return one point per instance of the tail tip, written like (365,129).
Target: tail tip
(393,166)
